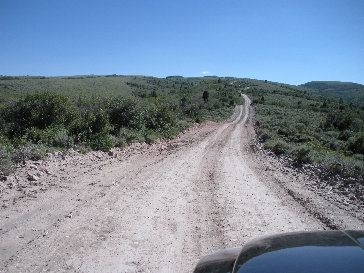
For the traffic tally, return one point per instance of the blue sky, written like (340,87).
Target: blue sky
(284,41)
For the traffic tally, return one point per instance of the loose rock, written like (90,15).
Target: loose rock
(33,177)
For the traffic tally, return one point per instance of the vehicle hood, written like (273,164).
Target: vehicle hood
(321,251)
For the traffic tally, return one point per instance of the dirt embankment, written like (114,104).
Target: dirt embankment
(155,208)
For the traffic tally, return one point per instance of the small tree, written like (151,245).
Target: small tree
(205,95)
(357,145)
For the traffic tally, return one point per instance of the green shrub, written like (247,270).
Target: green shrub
(287,130)
(5,141)
(52,136)
(345,135)
(345,166)
(265,135)
(101,141)
(335,145)
(94,130)
(6,164)
(119,142)
(36,135)
(359,157)
(278,146)
(205,95)
(356,145)
(38,151)
(131,135)
(39,110)
(82,128)
(83,148)
(169,132)
(302,154)
(125,112)
(151,137)
(341,120)
(22,153)
(97,131)
(157,117)
(62,139)
(30,151)
(194,112)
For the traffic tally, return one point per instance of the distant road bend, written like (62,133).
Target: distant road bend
(153,211)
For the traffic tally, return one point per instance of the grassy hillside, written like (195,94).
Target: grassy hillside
(347,91)
(73,86)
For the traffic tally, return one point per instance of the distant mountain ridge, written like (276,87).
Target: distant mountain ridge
(348,91)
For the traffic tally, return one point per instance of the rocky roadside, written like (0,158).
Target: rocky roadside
(340,192)
(35,177)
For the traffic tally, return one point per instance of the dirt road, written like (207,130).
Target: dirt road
(153,208)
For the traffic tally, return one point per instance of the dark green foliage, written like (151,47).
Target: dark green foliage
(265,134)
(125,112)
(341,120)
(130,135)
(100,138)
(39,111)
(62,138)
(302,154)
(94,130)
(159,117)
(356,145)
(278,147)
(101,141)
(54,136)
(205,95)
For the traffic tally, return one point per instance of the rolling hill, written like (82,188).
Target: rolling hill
(348,91)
